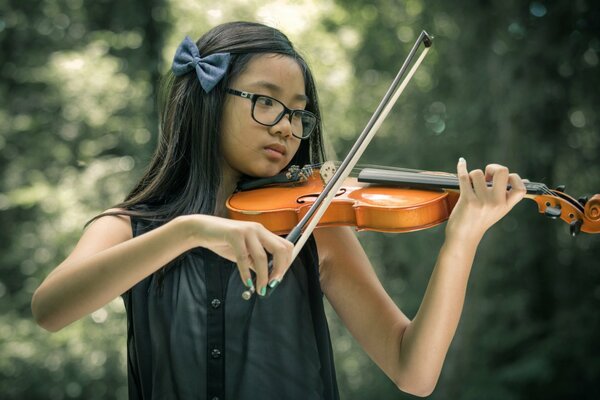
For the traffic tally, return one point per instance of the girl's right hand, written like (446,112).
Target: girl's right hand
(247,244)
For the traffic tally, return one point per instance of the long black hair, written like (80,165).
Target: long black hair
(184,174)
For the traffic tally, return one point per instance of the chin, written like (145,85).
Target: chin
(265,172)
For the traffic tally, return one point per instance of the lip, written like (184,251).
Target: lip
(276,147)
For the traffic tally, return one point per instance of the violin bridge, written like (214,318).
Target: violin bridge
(327,171)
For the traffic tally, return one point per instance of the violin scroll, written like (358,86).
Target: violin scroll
(591,212)
(592,208)
(582,215)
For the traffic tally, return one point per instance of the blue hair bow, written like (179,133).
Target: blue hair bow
(210,69)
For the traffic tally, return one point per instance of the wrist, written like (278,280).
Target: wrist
(188,228)
(463,235)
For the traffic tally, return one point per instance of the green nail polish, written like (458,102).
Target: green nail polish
(263,291)
(249,283)
(273,284)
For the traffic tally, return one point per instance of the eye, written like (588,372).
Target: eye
(265,101)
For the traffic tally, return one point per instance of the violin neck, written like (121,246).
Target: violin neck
(425,180)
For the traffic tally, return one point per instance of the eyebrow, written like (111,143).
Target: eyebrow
(277,89)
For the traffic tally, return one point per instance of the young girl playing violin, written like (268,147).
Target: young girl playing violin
(241,102)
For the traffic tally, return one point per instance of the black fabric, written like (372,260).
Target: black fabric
(192,336)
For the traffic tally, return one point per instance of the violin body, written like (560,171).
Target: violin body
(364,206)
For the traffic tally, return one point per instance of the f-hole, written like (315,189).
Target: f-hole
(304,199)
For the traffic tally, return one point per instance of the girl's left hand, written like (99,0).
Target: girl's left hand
(480,206)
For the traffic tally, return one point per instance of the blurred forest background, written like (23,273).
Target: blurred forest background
(513,82)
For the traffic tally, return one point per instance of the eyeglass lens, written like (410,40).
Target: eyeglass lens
(269,111)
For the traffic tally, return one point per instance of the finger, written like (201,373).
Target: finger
(517,191)
(500,182)
(244,264)
(464,181)
(259,258)
(491,169)
(281,251)
(479,184)
(242,259)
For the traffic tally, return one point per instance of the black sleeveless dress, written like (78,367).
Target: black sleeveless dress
(192,336)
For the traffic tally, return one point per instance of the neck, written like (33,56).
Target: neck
(229,180)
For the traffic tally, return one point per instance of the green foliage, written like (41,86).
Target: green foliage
(507,82)
(77,113)
(510,83)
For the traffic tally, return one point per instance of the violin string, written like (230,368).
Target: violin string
(360,167)
(441,177)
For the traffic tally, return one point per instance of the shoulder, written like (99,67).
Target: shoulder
(338,248)
(331,239)
(113,221)
(110,228)
(106,230)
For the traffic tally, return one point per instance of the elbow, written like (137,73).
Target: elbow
(419,391)
(416,387)
(42,316)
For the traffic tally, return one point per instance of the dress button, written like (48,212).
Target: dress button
(215,353)
(215,303)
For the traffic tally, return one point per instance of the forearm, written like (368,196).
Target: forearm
(425,342)
(81,286)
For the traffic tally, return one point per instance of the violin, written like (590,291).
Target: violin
(389,201)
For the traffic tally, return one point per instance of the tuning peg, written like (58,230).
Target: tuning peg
(582,200)
(552,212)
(560,188)
(575,227)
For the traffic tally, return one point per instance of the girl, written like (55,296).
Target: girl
(242,103)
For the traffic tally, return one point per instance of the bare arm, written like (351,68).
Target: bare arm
(412,353)
(107,261)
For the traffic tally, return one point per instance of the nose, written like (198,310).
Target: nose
(283,127)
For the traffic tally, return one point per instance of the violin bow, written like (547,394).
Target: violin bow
(301,232)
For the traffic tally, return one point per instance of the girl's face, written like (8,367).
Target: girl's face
(251,148)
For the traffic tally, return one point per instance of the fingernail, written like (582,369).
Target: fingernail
(462,160)
(273,284)
(263,290)
(249,283)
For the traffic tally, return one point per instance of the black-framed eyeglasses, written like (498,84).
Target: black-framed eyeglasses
(268,111)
